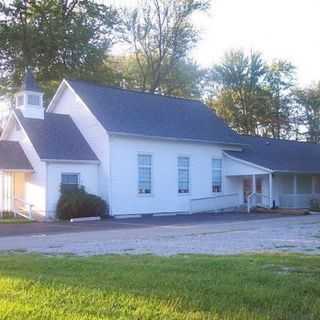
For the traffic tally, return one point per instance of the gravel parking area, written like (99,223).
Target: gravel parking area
(299,234)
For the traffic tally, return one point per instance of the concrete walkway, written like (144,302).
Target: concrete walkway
(232,234)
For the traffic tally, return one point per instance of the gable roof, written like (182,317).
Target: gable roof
(29,83)
(280,155)
(12,156)
(56,137)
(145,114)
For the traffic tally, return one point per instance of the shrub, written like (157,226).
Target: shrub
(80,204)
(315,204)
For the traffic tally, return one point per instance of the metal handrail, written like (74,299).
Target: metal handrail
(251,196)
(28,205)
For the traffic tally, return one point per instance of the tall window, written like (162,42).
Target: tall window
(216,175)
(69,181)
(144,174)
(183,174)
(33,99)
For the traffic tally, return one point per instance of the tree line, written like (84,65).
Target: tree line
(76,39)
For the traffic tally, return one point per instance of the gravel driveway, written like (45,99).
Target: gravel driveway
(286,234)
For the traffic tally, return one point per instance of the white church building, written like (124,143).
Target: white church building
(144,154)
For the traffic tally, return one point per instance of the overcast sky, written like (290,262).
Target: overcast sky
(287,29)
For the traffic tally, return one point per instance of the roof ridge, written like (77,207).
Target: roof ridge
(135,90)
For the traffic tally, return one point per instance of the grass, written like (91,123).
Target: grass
(14,221)
(147,287)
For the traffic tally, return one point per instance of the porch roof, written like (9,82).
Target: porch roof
(280,155)
(12,157)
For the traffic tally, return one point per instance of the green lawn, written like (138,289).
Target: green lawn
(14,221)
(147,287)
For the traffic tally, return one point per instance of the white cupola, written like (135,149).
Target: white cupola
(29,99)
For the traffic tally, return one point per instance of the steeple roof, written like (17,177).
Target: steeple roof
(29,83)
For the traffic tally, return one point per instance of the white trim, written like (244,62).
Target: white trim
(248,163)
(6,127)
(52,105)
(17,170)
(222,175)
(70,173)
(141,153)
(97,162)
(189,175)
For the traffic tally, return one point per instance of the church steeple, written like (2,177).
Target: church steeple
(29,99)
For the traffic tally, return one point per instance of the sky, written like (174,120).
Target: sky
(285,29)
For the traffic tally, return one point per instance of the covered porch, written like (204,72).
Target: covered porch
(268,188)
(15,172)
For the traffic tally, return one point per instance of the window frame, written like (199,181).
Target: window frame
(77,174)
(145,194)
(189,174)
(32,95)
(213,169)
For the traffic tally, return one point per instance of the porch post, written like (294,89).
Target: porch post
(254,185)
(254,189)
(270,191)
(295,191)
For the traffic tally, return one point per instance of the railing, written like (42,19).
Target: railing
(218,202)
(297,201)
(23,209)
(257,200)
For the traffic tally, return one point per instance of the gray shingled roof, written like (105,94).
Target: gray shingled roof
(133,112)
(56,137)
(29,83)
(12,157)
(280,155)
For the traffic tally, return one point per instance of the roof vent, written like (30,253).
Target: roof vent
(268,143)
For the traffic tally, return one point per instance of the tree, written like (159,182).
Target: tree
(254,97)
(160,35)
(184,80)
(280,82)
(308,100)
(57,38)
(238,93)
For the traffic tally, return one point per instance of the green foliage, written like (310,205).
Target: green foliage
(308,100)
(56,38)
(254,97)
(80,204)
(251,287)
(160,33)
(315,204)
(184,79)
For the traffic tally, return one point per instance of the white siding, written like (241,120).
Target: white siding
(237,168)
(165,196)
(88,178)
(92,131)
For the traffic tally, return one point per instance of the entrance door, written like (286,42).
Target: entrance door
(248,187)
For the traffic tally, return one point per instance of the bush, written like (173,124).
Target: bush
(315,205)
(80,204)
